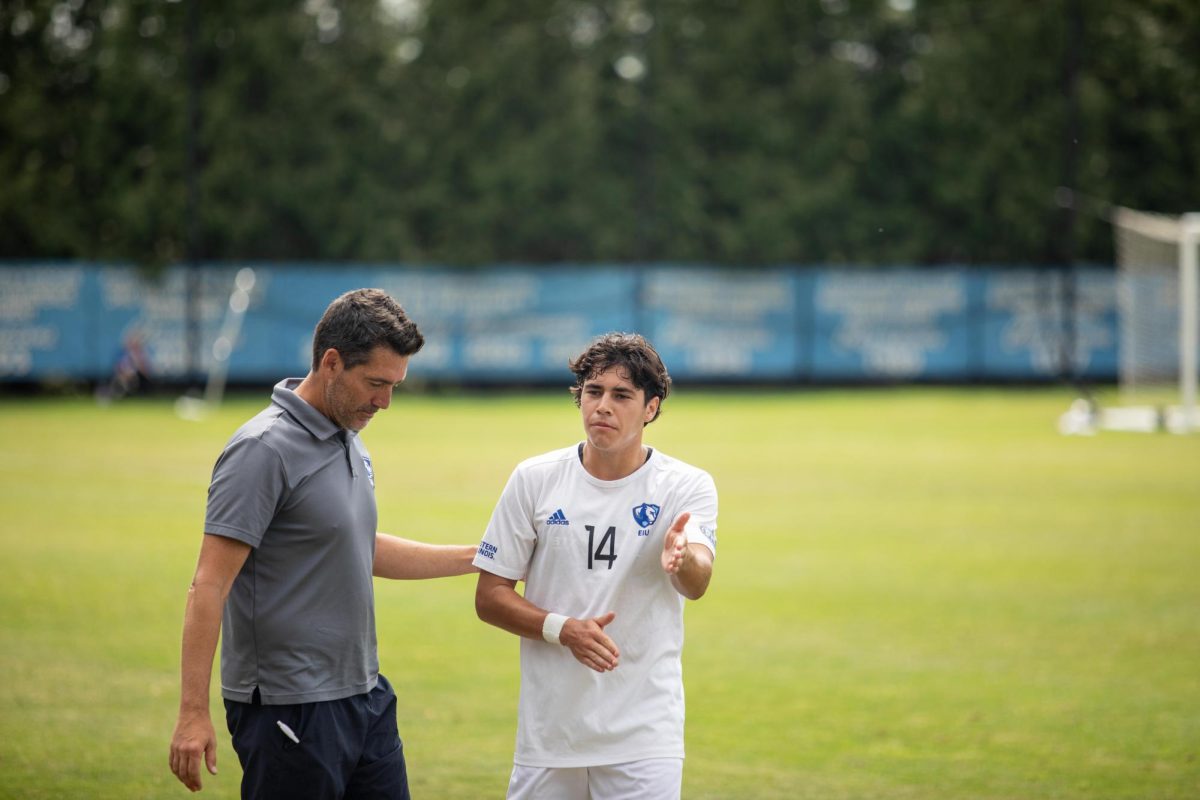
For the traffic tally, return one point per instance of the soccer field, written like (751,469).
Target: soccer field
(919,593)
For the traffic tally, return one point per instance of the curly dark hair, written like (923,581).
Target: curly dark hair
(358,322)
(632,354)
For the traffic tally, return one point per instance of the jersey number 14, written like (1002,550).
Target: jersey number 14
(606,550)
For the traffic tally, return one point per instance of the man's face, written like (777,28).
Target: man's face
(352,396)
(614,411)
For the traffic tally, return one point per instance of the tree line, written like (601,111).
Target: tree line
(582,131)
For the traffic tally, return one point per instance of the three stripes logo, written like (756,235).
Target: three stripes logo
(558,518)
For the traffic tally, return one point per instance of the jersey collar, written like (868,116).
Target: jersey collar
(284,395)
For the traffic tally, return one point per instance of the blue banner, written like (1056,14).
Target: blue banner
(891,325)
(721,324)
(1024,331)
(522,324)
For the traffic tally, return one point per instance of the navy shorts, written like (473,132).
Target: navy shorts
(348,749)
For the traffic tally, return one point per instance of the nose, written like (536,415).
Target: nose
(383,399)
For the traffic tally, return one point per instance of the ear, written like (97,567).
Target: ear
(331,360)
(651,410)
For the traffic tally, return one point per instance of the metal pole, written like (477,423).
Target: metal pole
(1189,321)
(1068,347)
(195,364)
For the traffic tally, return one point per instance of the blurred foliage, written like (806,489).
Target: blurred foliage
(714,131)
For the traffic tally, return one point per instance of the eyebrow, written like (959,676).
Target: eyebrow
(590,385)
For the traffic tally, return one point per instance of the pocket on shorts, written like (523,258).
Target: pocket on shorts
(383,737)
(297,719)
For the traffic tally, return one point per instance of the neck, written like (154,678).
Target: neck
(613,465)
(310,392)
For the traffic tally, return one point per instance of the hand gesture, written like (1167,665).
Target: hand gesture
(675,547)
(588,642)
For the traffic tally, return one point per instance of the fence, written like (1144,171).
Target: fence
(521,324)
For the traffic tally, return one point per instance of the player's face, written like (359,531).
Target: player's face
(614,410)
(354,395)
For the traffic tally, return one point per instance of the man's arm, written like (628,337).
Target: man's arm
(497,603)
(221,558)
(690,565)
(404,559)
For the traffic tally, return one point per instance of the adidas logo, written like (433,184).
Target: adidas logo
(558,518)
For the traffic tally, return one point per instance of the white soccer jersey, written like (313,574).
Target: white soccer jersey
(585,547)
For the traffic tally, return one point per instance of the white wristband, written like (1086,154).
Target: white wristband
(552,627)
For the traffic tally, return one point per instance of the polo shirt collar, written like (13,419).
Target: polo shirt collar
(284,395)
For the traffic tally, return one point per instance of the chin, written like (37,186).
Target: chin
(602,442)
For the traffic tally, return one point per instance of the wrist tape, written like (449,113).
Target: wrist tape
(552,627)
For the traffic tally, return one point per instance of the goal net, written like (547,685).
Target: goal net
(196,408)
(1157,298)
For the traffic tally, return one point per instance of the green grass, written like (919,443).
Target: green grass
(919,594)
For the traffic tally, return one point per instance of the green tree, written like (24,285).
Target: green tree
(715,131)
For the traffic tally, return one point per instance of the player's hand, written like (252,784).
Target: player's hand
(675,549)
(588,642)
(194,741)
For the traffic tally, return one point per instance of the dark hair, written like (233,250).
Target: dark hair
(358,322)
(629,352)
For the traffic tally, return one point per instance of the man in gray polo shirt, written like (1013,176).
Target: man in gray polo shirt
(285,575)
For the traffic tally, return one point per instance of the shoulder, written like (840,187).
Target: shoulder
(681,473)
(683,477)
(270,428)
(262,425)
(548,462)
(273,437)
(534,475)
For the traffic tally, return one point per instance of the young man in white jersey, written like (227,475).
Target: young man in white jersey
(610,536)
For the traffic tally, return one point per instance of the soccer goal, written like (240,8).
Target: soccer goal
(196,408)
(1157,297)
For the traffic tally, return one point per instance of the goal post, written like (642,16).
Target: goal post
(1158,292)
(196,408)
(1190,328)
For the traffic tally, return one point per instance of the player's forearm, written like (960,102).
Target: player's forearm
(404,559)
(695,573)
(500,605)
(201,630)
(497,603)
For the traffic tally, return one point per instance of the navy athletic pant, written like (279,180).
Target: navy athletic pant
(348,750)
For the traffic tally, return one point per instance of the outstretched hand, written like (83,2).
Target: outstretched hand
(675,545)
(588,642)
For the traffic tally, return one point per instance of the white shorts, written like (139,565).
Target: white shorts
(649,779)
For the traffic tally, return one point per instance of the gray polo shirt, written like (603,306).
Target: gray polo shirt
(299,624)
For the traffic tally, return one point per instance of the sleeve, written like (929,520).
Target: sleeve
(701,501)
(248,485)
(511,535)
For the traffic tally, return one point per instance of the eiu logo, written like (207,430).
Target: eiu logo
(370,472)
(558,518)
(645,514)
